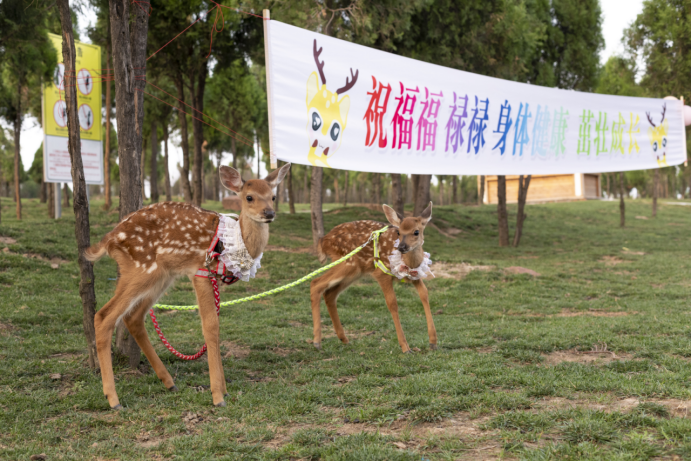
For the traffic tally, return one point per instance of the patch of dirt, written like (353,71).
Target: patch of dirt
(296,324)
(456,271)
(521,270)
(626,251)
(6,328)
(611,260)
(54,262)
(345,380)
(677,408)
(450,232)
(282,352)
(642,217)
(594,313)
(288,250)
(235,350)
(599,354)
(7,240)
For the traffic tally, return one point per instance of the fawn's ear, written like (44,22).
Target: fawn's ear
(426,214)
(393,217)
(275,177)
(231,179)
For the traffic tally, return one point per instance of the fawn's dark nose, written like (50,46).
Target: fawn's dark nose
(403,248)
(269,214)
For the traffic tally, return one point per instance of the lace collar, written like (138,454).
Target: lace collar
(235,256)
(399,269)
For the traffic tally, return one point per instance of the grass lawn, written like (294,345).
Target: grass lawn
(588,360)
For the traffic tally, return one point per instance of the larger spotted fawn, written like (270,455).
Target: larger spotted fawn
(401,252)
(161,242)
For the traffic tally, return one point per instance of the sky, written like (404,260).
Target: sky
(618,15)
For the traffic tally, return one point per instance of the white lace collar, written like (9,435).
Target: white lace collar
(399,269)
(235,256)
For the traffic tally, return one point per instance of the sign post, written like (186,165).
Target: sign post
(57,167)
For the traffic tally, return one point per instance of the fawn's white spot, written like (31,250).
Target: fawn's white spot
(122,236)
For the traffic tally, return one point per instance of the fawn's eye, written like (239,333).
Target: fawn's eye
(273,198)
(250,198)
(398,233)
(416,232)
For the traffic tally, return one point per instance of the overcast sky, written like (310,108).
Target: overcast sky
(618,14)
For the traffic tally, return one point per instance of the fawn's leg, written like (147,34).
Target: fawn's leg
(317,288)
(211,329)
(431,330)
(135,325)
(330,296)
(386,284)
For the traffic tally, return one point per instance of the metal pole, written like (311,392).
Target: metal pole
(58,199)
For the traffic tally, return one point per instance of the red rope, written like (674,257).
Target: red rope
(199,19)
(215,28)
(217,299)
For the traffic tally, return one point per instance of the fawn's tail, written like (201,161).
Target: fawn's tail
(96,252)
(320,251)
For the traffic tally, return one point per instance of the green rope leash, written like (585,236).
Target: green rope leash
(374,235)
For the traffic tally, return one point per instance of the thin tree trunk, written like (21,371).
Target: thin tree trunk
(154,163)
(316,205)
(656,188)
(184,142)
(142,170)
(81,204)
(42,197)
(523,184)
(291,192)
(376,188)
(258,155)
(51,200)
(345,188)
(235,154)
(416,181)
(166,172)
(337,192)
(129,61)
(454,186)
(481,195)
(198,128)
(622,206)
(17,152)
(503,218)
(106,160)
(397,193)
(422,198)
(217,183)
(441,190)
(66,195)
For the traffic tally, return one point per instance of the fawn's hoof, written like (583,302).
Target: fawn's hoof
(117,407)
(174,388)
(222,403)
(408,351)
(317,345)
(433,347)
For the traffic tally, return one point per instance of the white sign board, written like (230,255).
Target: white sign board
(340,105)
(57,166)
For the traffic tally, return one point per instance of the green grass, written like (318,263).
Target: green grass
(496,387)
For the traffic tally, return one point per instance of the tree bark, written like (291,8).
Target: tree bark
(454,186)
(51,200)
(345,188)
(523,184)
(154,163)
(66,195)
(106,160)
(233,146)
(441,189)
(622,206)
(415,179)
(142,169)
(198,129)
(166,172)
(184,142)
(337,191)
(397,193)
(17,152)
(376,188)
(291,192)
(481,192)
(129,61)
(316,205)
(42,197)
(656,188)
(422,198)
(81,204)
(503,218)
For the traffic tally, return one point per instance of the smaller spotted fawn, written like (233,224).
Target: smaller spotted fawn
(161,242)
(345,238)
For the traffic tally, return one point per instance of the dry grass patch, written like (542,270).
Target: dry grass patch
(288,250)
(235,350)
(456,271)
(521,270)
(599,355)
(593,313)
(611,260)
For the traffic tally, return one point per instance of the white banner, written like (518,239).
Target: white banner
(340,105)
(57,166)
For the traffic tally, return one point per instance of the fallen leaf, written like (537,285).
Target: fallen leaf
(401,445)
(55,376)
(416,349)
(54,266)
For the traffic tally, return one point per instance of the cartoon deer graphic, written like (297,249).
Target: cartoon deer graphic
(327,115)
(164,241)
(658,136)
(407,262)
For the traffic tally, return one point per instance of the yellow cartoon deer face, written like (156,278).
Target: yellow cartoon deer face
(658,137)
(327,115)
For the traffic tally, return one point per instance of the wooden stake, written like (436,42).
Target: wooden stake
(269,95)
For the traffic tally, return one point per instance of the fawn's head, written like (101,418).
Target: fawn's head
(410,230)
(256,195)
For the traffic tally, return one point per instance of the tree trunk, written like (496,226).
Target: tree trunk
(337,192)
(198,128)
(503,217)
(51,200)
(106,160)
(523,184)
(397,193)
(184,142)
(481,193)
(422,198)
(166,172)
(454,186)
(656,188)
(316,205)
(42,197)
(416,181)
(345,188)
(154,163)
(376,188)
(622,206)
(129,61)
(17,152)
(291,192)
(441,190)
(66,195)
(233,146)
(142,170)
(81,204)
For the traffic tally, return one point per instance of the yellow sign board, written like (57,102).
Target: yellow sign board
(88,81)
